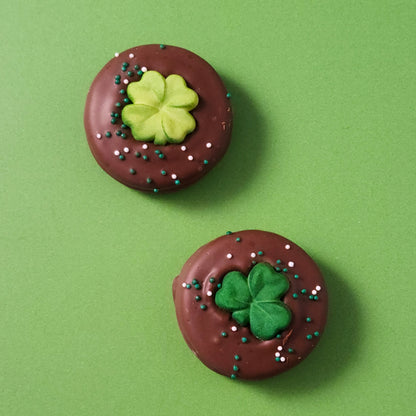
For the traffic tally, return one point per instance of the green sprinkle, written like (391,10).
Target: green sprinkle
(236,357)
(132,171)
(197,286)
(228,232)
(277,359)
(157,151)
(303,291)
(203,307)
(140,72)
(117,81)
(155,190)
(188,286)
(238,239)
(290,350)
(123,135)
(148,180)
(296,276)
(161,156)
(228,95)
(278,336)
(235,367)
(197,298)
(124,69)
(206,162)
(145,157)
(136,67)
(295,296)
(285,270)
(112,114)
(244,340)
(123,126)
(316,333)
(117,77)
(177,182)
(163,172)
(219,285)
(122,91)
(108,134)
(260,253)
(224,334)
(162,46)
(137,154)
(118,132)
(116,115)
(278,269)
(212,279)
(278,261)
(126,100)
(315,297)
(233,376)
(194,282)
(130,73)
(308,319)
(125,64)
(113,121)
(118,104)
(309,336)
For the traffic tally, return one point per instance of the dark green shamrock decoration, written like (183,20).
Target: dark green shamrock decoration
(255,300)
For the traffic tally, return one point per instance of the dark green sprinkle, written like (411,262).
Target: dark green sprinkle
(233,376)
(161,156)
(140,72)
(157,152)
(238,239)
(123,126)
(244,340)
(118,104)
(194,282)
(203,307)
(117,81)
(118,132)
(197,298)
(113,121)
(145,157)
(212,279)
(278,269)
(309,336)
(206,162)
(124,69)
(132,171)
(126,100)
(163,172)
(177,182)
(228,95)
(123,135)
(188,286)
(228,232)
(260,253)
(278,336)
(235,367)
(296,276)
(316,333)
(303,291)
(308,319)
(137,154)
(310,297)
(130,73)
(117,77)
(295,296)
(219,285)
(112,114)
(121,157)
(315,297)
(236,357)
(122,91)
(285,270)
(278,261)
(136,67)
(197,286)
(290,350)
(148,180)
(253,262)
(108,134)
(116,115)
(277,359)
(125,64)
(162,46)
(224,334)
(155,190)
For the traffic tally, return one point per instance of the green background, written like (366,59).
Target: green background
(323,152)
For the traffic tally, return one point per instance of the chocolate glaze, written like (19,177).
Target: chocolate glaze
(213,117)
(202,328)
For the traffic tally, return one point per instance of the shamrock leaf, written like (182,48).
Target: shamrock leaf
(255,300)
(160,109)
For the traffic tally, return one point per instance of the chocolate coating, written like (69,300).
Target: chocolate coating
(203,328)
(213,117)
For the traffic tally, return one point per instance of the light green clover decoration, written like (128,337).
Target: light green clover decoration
(255,300)
(160,108)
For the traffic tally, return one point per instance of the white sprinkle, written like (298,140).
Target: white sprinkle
(291,264)
(209,293)
(252,255)
(116,152)
(229,256)
(287,246)
(279,348)
(131,55)
(318,288)
(190,157)
(116,54)
(282,359)
(277,354)
(99,136)
(183,148)
(183,284)
(126,149)
(144,69)
(314,292)
(145,146)
(234,328)
(209,145)
(126,81)
(173,176)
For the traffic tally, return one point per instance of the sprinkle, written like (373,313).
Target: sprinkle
(190,157)
(197,298)
(282,359)
(235,368)
(315,297)
(123,135)
(203,307)
(126,149)
(163,172)
(98,136)
(188,286)
(130,73)
(278,269)
(145,146)
(314,292)
(126,100)
(118,104)
(244,340)
(279,348)
(108,134)
(113,121)
(278,261)
(144,69)
(291,264)
(123,126)
(183,284)
(194,282)
(162,46)
(117,81)
(206,162)
(139,73)
(177,182)
(252,255)
(118,132)
(155,190)
(228,95)
(136,67)
(183,148)
(303,291)
(224,334)
(233,376)
(209,293)
(236,357)
(316,333)
(308,319)
(290,350)
(260,253)
(229,256)
(219,285)
(296,276)
(295,296)
(116,54)
(146,158)
(234,328)
(131,55)
(228,233)
(285,270)
(277,359)
(212,279)
(318,288)
(287,246)
(116,152)
(309,336)
(161,156)
(278,336)
(126,64)
(238,239)
(148,180)
(157,152)
(132,171)
(197,286)
(122,91)
(137,154)
(208,145)
(277,354)
(125,81)
(173,176)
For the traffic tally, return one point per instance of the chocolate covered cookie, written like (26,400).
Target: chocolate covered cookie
(158,118)
(250,304)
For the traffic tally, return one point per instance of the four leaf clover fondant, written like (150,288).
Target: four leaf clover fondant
(255,300)
(160,108)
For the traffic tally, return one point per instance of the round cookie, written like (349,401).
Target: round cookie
(158,118)
(250,304)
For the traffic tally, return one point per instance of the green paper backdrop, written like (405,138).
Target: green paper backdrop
(323,152)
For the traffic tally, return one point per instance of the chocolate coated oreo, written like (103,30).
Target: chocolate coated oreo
(250,304)
(158,118)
